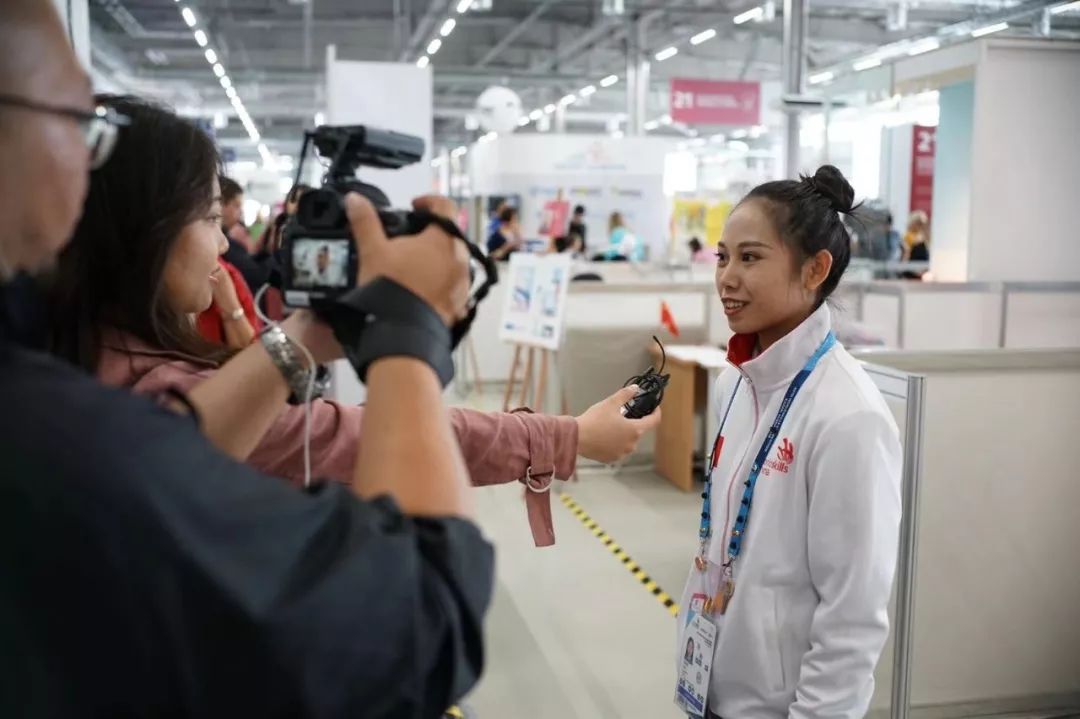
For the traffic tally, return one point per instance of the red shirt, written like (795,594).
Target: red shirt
(210,324)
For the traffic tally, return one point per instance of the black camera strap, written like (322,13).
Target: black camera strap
(491,278)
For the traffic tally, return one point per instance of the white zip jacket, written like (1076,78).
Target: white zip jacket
(809,616)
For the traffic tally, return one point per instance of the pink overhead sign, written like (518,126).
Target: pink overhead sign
(711,102)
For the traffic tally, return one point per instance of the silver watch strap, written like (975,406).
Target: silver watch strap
(287,359)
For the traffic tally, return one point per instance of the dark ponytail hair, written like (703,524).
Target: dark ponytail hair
(159,179)
(806,215)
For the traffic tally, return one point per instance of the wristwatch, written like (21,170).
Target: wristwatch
(235,315)
(287,358)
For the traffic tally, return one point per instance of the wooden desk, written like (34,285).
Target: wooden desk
(686,395)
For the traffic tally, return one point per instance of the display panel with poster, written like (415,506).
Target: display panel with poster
(703,219)
(534,312)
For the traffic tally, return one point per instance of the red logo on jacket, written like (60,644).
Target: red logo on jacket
(785,455)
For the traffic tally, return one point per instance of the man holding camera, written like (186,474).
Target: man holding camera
(147,574)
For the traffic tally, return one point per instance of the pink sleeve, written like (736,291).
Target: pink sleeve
(498,447)
(335,430)
(335,437)
(502,447)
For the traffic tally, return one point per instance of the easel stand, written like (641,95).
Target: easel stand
(533,390)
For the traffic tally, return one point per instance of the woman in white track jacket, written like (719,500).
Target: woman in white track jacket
(798,537)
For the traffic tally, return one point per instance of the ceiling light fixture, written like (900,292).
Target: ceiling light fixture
(866,63)
(459,151)
(821,77)
(536,114)
(433,46)
(1057,10)
(523,121)
(739,146)
(423,62)
(568,100)
(754,14)
(739,134)
(463,6)
(650,125)
(667,52)
(588,90)
(704,36)
(990,29)
(548,109)
(609,81)
(226,83)
(448,27)
(717,138)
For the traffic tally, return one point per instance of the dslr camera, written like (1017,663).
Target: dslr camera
(318,257)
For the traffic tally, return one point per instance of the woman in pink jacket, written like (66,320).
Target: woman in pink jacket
(144,261)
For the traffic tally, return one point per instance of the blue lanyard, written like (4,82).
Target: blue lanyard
(738,532)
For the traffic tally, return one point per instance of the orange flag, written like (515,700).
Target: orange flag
(667,319)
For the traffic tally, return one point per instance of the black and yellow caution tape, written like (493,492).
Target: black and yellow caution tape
(620,554)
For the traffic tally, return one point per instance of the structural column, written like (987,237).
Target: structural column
(796,21)
(637,75)
(630,44)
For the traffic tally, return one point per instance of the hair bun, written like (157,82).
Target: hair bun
(831,184)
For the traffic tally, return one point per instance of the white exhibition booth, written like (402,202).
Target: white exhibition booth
(601,173)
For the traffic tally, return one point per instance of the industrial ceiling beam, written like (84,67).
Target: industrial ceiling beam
(514,34)
(424,28)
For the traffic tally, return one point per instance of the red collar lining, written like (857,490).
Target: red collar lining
(741,349)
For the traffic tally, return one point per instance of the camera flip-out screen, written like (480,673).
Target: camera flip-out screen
(320,263)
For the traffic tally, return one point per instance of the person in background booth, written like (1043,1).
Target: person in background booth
(698,253)
(622,244)
(255,270)
(232,214)
(141,338)
(496,217)
(797,541)
(918,233)
(507,238)
(146,573)
(577,227)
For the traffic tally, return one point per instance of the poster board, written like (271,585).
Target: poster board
(535,306)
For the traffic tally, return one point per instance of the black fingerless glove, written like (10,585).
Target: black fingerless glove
(384,319)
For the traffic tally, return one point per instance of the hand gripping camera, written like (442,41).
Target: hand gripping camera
(318,256)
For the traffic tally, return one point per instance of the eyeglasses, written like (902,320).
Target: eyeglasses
(99,127)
